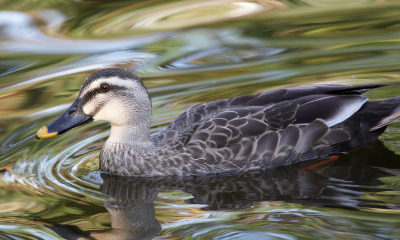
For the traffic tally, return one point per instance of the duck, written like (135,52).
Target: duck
(254,132)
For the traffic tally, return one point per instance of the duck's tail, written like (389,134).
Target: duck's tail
(387,112)
(366,125)
(319,140)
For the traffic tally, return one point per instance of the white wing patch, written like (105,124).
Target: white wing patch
(346,110)
(332,109)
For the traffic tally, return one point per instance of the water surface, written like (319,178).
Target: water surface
(190,52)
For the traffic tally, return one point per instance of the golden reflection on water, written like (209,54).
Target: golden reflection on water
(143,17)
(190,52)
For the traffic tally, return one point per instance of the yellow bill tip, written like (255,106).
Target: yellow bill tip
(44,133)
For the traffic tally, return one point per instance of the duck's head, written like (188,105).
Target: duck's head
(114,95)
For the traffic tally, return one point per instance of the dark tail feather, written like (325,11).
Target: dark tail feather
(391,108)
(358,89)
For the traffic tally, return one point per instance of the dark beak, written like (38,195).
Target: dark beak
(73,117)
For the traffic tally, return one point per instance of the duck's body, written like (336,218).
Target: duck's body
(260,131)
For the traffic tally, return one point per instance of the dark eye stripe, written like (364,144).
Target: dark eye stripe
(92,93)
(89,95)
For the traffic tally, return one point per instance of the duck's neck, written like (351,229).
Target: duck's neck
(130,135)
(122,153)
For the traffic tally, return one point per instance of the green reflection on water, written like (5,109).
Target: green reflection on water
(190,52)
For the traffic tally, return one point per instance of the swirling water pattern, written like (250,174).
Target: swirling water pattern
(189,52)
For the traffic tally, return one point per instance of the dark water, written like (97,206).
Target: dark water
(190,52)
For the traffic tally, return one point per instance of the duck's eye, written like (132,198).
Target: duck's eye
(104,87)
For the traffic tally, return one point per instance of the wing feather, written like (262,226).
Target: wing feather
(188,118)
(268,129)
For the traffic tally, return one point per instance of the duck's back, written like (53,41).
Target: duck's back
(277,128)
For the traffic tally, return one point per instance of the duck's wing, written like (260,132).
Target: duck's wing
(251,137)
(315,101)
(238,137)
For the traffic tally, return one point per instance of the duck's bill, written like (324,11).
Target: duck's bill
(73,117)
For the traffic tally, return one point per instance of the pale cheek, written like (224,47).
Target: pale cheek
(92,106)
(89,108)
(113,112)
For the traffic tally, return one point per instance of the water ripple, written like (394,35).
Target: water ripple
(24,36)
(58,170)
(174,15)
(189,52)
(214,57)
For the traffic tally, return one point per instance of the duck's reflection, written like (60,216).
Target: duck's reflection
(131,206)
(337,183)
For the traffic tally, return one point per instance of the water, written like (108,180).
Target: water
(190,52)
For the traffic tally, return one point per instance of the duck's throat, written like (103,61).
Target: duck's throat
(123,150)
(130,135)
